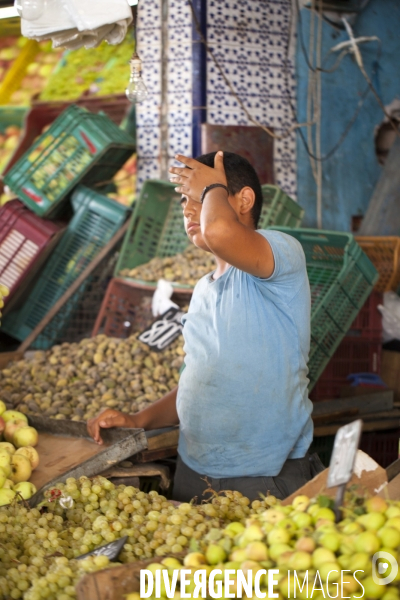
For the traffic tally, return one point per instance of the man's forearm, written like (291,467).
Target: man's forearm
(162,413)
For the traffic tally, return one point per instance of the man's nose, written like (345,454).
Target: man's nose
(190,208)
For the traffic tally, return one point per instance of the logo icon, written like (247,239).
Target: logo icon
(387,565)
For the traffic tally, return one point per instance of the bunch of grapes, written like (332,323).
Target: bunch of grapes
(39,546)
(3,293)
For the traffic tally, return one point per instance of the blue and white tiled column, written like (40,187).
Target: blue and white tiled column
(249,39)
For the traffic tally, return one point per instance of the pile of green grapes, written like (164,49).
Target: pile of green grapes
(39,546)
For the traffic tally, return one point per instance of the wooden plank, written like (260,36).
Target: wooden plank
(393,470)
(382,425)
(142,470)
(151,455)
(367,403)
(7,357)
(333,417)
(162,438)
(73,288)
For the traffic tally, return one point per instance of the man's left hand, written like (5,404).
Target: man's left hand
(194,177)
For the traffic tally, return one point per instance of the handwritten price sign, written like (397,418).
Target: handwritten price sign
(164,330)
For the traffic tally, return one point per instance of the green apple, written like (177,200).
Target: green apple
(26,489)
(301,519)
(11,427)
(275,550)
(278,536)
(305,544)
(14,415)
(334,570)
(376,504)
(300,503)
(21,469)
(215,554)
(6,496)
(7,446)
(300,561)
(389,536)
(321,556)
(8,484)
(3,477)
(372,521)
(5,463)
(25,436)
(393,511)
(393,522)
(194,559)
(367,542)
(372,589)
(257,551)
(31,454)
(330,540)
(3,407)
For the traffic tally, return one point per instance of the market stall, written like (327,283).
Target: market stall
(99,265)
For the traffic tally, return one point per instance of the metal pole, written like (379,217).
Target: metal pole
(164,159)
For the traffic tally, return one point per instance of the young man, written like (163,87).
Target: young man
(242,401)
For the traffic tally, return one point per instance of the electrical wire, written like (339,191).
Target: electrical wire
(250,117)
(353,119)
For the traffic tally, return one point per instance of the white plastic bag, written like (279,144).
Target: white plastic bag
(73,23)
(161,298)
(390,316)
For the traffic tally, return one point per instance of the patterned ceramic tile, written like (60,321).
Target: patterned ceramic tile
(250,41)
(179,96)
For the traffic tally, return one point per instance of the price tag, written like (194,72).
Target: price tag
(164,330)
(344,454)
(110,550)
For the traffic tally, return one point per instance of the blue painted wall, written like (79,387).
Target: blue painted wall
(350,175)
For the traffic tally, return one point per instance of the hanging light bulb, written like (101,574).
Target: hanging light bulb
(30,9)
(136,91)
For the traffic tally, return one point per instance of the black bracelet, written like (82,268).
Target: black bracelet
(211,187)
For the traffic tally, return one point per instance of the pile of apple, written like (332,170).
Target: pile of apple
(3,293)
(18,457)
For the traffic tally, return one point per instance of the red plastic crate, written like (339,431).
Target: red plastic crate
(368,323)
(382,446)
(25,242)
(126,307)
(354,355)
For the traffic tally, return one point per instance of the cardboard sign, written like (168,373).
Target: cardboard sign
(110,550)
(164,330)
(344,453)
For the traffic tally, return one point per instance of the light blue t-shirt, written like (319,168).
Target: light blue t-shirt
(242,398)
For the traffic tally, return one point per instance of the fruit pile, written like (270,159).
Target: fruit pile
(301,543)
(8,142)
(38,546)
(62,165)
(10,47)
(186,268)
(18,457)
(76,381)
(101,71)
(125,182)
(3,293)
(37,74)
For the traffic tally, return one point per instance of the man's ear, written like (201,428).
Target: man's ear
(247,199)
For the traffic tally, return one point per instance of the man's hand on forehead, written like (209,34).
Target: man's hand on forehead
(194,176)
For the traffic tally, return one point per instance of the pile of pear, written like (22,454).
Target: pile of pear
(300,539)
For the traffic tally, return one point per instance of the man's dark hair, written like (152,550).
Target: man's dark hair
(239,174)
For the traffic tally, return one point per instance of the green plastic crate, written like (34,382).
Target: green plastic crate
(279,209)
(156,227)
(341,278)
(78,147)
(96,219)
